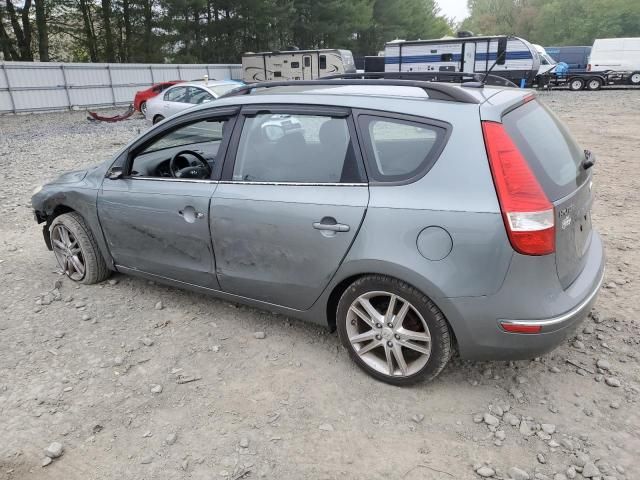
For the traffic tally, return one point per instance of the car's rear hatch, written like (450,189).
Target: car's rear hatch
(558,164)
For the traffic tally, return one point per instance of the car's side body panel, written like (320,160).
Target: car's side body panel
(160,227)
(267,246)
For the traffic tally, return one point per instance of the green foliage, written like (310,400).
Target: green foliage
(221,30)
(555,22)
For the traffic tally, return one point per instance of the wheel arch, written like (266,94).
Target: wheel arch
(386,269)
(82,203)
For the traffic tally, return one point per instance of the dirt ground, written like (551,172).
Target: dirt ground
(102,371)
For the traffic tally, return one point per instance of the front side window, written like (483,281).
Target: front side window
(296,148)
(176,94)
(190,151)
(400,149)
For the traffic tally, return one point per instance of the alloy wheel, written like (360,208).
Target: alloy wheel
(635,78)
(388,333)
(68,252)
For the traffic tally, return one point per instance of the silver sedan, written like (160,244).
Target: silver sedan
(186,95)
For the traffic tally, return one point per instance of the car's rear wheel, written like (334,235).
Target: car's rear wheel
(157,119)
(143,108)
(76,249)
(392,331)
(576,84)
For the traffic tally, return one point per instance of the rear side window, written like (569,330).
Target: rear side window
(323,62)
(178,94)
(399,150)
(549,148)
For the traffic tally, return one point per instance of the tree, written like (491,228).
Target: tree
(555,22)
(43,31)
(21,28)
(405,19)
(108,34)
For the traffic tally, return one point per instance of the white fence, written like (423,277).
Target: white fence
(40,86)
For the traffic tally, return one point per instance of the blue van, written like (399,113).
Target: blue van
(576,57)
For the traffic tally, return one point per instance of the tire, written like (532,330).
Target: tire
(594,84)
(157,119)
(634,79)
(576,84)
(143,108)
(422,319)
(83,243)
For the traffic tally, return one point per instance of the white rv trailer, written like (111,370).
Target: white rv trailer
(520,64)
(296,65)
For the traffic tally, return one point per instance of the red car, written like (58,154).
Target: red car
(140,100)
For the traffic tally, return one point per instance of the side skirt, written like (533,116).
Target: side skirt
(306,315)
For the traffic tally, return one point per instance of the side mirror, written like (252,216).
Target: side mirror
(115,173)
(501,57)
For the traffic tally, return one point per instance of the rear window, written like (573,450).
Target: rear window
(553,155)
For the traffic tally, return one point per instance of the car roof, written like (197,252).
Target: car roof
(493,101)
(446,92)
(355,89)
(209,83)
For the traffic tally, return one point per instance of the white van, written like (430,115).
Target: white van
(618,54)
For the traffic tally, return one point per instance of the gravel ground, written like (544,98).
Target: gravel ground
(114,385)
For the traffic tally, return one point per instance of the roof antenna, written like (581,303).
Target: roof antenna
(498,58)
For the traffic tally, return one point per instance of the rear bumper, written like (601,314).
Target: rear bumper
(531,296)
(563,321)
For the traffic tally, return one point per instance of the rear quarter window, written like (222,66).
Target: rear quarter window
(549,148)
(400,150)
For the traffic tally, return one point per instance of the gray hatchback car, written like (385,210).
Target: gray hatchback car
(414,217)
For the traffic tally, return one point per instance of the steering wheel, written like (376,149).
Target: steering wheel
(196,168)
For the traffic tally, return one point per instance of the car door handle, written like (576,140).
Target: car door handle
(331,225)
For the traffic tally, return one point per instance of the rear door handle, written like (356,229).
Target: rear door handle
(330,224)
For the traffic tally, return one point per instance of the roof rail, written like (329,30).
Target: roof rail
(466,79)
(436,91)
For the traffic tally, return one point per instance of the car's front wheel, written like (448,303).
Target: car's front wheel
(76,249)
(392,331)
(143,108)
(157,119)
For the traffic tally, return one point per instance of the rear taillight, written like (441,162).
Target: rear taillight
(528,214)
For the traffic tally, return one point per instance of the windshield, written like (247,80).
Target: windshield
(545,59)
(547,145)
(219,90)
